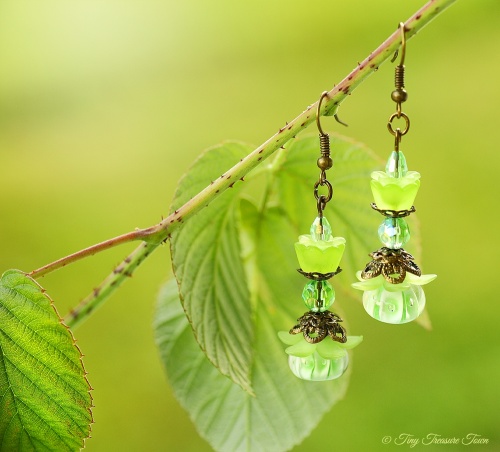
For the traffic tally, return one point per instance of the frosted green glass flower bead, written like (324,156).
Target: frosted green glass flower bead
(321,256)
(323,361)
(396,165)
(318,295)
(319,252)
(394,193)
(394,233)
(395,307)
(316,368)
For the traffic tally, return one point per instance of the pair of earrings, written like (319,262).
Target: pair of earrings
(391,282)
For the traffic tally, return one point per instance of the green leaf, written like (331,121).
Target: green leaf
(207,264)
(236,267)
(284,410)
(44,394)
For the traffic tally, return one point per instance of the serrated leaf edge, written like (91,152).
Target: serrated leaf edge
(43,292)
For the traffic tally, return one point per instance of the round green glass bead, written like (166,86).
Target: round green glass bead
(321,229)
(396,307)
(316,368)
(396,165)
(394,232)
(318,296)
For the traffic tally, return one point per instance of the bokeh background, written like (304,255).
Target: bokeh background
(105,104)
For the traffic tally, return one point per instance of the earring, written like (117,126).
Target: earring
(318,343)
(392,280)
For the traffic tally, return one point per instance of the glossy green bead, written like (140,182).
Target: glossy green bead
(320,229)
(316,368)
(318,296)
(394,232)
(396,307)
(396,164)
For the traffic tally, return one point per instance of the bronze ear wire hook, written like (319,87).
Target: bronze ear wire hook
(324,162)
(318,114)
(401,27)
(399,95)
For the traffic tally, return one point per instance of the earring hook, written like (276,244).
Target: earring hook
(401,27)
(318,124)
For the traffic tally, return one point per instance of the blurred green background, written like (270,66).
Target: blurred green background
(105,104)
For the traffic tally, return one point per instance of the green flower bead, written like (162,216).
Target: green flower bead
(327,348)
(394,303)
(321,256)
(395,193)
(375,283)
(324,361)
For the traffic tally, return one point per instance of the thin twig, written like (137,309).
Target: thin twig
(155,235)
(139,234)
(329,107)
(119,275)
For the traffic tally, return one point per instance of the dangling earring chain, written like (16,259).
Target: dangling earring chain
(318,342)
(388,296)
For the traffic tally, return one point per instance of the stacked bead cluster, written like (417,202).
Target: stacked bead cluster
(392,281)
(318,344)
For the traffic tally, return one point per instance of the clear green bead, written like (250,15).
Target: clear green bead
(321,229)
(396,165)
(316,368)
(318,295)
(394,232)
(396,307)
